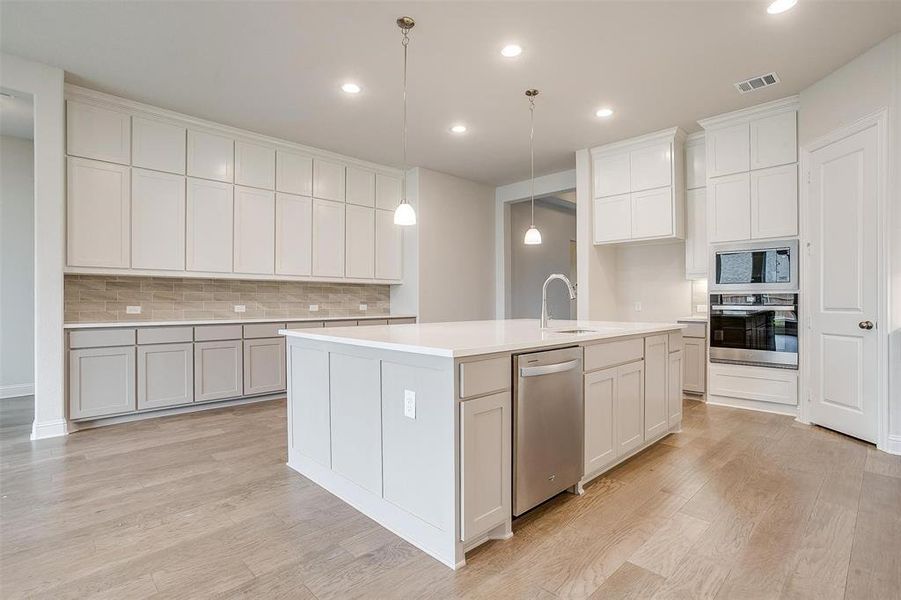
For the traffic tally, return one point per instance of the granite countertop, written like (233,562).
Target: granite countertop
(228,321)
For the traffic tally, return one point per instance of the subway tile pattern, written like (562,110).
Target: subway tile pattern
(102,298)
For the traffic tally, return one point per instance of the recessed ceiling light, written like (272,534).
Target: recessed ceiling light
(511,50)
(780,6)
(459,128)
(604,112)
(351,88)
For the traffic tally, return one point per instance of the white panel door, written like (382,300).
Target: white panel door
(611,175)
(359,242)
(360,187)
(774,202)
(652,213)
(328,238)
(612,219)
(98,214)
(254,165)
(843,274)
(774,140)
(629,407)
(98,132)
(695,165)
(656,385)
(158,220)
(294,173)
(651,167)
(388,191)
(696,233)
(694,357)
(293,234)
(158,145)
(254,231)
(728,150)
(328,180)
(388,246)
(600,427)
(674,388)
(209,225)
(729,208)
(211,156)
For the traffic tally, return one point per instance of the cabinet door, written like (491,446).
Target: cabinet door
(696,233)
(293,234)
(611,175)
(388,246)
(218,370)
(98,217)
(101,381)
(651,167)
(158,145)
(360,242)
(158,220)
(629,407)
(728,150)
(694,357)
(98,132)
(254,165)
(211,156)
(729,208)
(695,164)
(328,238)
(674,388)
(652,213)
(165,375)
(600,427)
(388,191)
(774,202)
(656,382)
(612,219)
(294,173)
(254,231)
(774,140)
(360,187)
(209,223)
(486,458)
(328,180)
(264,366)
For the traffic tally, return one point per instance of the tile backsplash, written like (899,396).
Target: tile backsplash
(102,298)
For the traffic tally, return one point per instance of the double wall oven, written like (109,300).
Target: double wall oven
(754,304)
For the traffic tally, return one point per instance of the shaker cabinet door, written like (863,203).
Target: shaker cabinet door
(600,432)
(209,223)
(158,220)
(101,381)
(218,370)
(696,233)
(264,366)
(254,231)
(98,214)
(612,219)
(729,208)
(728,150)
(774,202)
(388,246)
(211,156)
(98,132)
(328,180)
(774,140)
(359,242)
(165,375)
(629,407)
(655,392)
(294,173)
(694,369)
(612,175)
(651,167)
(254,165)
(360,188)
(674,388)
(652,213)
(158,145)
(328,238)
(293,234)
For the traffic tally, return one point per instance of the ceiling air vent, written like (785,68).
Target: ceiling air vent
(756,83)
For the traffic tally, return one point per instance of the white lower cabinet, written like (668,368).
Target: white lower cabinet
(485,459)
(210,226)
(328,238)
(165,375)
(600,433)
(264,366)
(656,383)
(218,370)
(101,381)
(388,246)
(98,214)
(629,407)
(254,231)
(674,388)
(359,242)
(694,364)
(158,220)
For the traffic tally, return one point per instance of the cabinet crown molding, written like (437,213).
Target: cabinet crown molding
(674,134)
(788,104)
(695,139)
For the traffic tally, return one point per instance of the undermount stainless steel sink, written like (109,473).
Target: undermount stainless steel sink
(574,331)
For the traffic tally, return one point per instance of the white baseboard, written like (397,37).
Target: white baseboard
(14,391)
(758,405)
(50,429)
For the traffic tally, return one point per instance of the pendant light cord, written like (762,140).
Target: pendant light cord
(532,155)
(405,42)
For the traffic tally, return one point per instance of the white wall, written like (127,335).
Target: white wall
(654,276)
(16,267)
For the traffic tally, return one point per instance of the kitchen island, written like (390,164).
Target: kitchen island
(412,424)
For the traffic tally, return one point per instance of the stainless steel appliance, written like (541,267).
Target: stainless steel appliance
(547,425)
(755,267)
(754,329)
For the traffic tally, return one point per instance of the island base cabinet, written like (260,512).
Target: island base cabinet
(674,388)
(101,381)
(655,364)
(218,371)
(165,375)
(600,435)
(486,459)
(629,408)
(264,366)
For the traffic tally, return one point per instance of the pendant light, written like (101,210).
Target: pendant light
(404,213)
(533,236)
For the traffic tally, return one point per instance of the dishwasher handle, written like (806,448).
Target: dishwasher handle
(548,369)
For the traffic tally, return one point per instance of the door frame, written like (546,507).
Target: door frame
(879,120)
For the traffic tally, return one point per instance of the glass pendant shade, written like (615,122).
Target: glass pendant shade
(533,237)
(405,215)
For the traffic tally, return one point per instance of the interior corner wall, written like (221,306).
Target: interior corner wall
(652,276)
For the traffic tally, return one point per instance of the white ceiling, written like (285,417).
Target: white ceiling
(16,115)
(276,68)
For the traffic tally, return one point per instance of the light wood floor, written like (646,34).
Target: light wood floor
(739,505)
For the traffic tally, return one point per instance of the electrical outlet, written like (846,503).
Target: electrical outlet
(239,308)
(314,308)
(132,310)
(410,404)
(701,308)
(363,307)
(638,307)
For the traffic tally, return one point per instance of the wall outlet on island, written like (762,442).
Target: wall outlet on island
(638,307)
(132,310)
(314,308)
(410,404)
(239,308)
(363,307)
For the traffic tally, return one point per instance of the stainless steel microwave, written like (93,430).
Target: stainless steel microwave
(754,267)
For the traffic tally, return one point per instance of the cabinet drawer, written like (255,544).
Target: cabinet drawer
(342,323)
(303,324)
(209,333)
(165,335)
(98,338)
(599,356)
(402,321)
(754,383)
(694,330)
(262,330)
(484,376)
(675,341)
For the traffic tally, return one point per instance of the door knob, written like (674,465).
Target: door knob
(865,325)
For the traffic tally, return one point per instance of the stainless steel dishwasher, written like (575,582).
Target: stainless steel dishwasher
(547,425)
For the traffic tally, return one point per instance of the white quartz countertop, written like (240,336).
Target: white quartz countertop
(471,338)
(228,321)
(693,319)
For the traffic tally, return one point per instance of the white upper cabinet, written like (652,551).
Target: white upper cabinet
(211,156)
(651,167)
(696,234)
(328,238)
(294,173)
(293,234)
(652,213)
(729,208)
(359,242)
(695,163)
(612,175)
(98,214)
(774,140)
(254,231)
(360,187)
(388,246)
(388,191)
(612,219)
(158,220)
(774,202)
(209,225)
(728,150)
(98,132)
(254,165)
(158,145)
(328,180)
